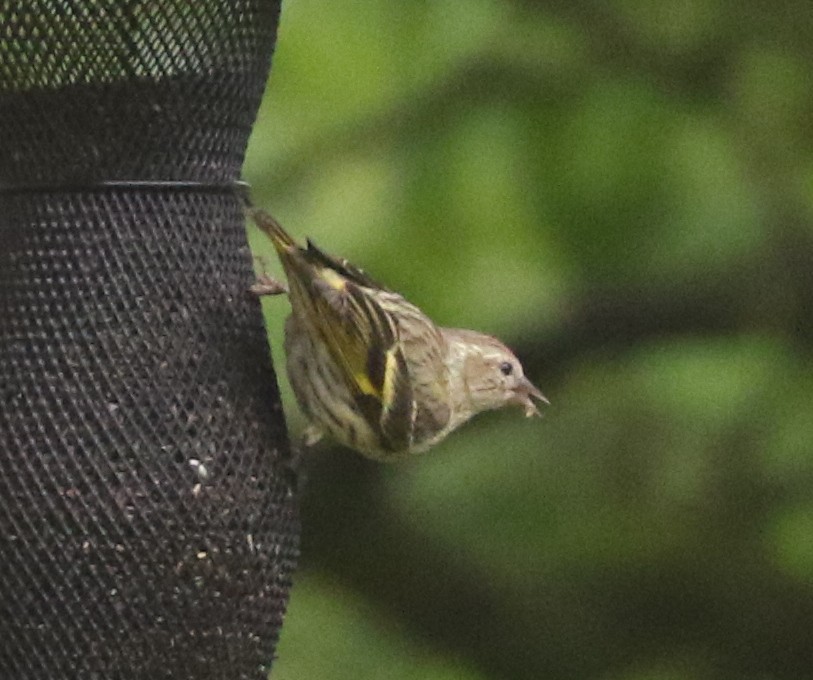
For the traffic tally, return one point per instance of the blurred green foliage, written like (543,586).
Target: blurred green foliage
(623,191)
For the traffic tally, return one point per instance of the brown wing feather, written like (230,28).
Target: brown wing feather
(362,338)
(424,351)
(341,266)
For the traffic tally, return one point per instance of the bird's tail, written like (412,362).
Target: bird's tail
(281,239)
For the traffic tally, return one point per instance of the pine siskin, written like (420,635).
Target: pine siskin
(371,369)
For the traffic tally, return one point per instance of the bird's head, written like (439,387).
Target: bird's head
(492,376)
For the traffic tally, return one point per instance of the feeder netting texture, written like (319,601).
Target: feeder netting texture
(148,523)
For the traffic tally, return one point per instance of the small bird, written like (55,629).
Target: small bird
(370,369)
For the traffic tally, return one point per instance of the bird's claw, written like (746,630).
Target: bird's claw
(268,285)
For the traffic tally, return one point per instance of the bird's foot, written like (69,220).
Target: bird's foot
(311,436)
(295,466)
(268,285)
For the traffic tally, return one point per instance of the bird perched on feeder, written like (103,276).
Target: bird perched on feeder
(372,370)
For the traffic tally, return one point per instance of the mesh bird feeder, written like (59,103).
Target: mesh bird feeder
(148,526)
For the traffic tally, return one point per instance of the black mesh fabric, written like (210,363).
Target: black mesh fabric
(148,526)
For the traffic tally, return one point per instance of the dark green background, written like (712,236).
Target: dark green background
(623,191)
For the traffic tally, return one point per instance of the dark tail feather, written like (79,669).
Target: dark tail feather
(281,239)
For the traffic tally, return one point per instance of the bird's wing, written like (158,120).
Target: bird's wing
(343,267)
(362,338)
(424,350)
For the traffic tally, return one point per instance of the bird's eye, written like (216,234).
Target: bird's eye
(506,368)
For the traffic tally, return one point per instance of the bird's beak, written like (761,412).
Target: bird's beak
(524,395)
